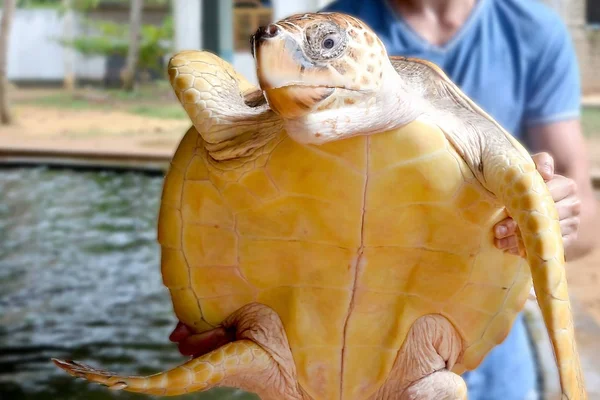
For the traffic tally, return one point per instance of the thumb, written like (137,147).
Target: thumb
(544,164)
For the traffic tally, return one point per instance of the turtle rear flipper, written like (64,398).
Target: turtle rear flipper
(231,361)
(258,361)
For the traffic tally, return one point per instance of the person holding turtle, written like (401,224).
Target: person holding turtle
(515,59)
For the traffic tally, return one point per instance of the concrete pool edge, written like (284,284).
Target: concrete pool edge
(147,162)
(144,161)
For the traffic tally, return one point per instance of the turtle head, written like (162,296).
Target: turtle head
(320,61)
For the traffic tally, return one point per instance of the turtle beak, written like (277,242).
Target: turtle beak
(284,74)
(276,53)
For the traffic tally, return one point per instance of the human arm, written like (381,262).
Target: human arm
(551,124)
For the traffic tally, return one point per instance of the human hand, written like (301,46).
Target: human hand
(565,195)
(196,344)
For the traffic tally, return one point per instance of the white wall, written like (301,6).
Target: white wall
(36,54)
(187,19)
(284,8)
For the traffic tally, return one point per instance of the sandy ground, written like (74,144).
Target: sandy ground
(584,277)
(102,131)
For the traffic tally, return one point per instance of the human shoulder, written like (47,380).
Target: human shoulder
(544,47)
(532,21)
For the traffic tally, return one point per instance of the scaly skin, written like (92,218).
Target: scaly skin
(518,184)
(202,373)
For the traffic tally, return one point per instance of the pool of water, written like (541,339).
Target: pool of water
(80,279)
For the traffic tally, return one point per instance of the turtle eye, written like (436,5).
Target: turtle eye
(330,41)
(324,41)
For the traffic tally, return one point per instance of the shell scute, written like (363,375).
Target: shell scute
(186,149)
(451,269)
(258,182)
(321,265)
(503,276)
(314,174)
(197,169)
(185,304)
(205,245)
(216,309)
(203,204)
(218,281)
(470,322)
(301,308)
(407,144)
(172,188)
(174,269)
(239,198)
(496,331)
(169,227)
(434,178)
(302,219)
(489,299)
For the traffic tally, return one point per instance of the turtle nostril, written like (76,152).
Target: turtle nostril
(267,32)
(263,33)
(272,30)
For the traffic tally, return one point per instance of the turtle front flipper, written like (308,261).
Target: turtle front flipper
(514,179)
(227,363)
(230,114)
(505,168)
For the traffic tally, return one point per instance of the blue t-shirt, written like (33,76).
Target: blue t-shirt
(514,58)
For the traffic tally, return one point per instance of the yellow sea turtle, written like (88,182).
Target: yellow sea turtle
(336,225)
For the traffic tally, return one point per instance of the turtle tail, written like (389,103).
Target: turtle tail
(523,191)
(216,368)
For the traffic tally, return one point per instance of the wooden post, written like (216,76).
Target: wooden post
(69,53)
(135,26)
(5,23)
(217,27)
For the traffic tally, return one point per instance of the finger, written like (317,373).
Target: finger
(569,226)
(510,242)
(544,164)
(514,251)
(505,228)
(568,208)
(180,332)
(561,188)
(569,240)
(205,342)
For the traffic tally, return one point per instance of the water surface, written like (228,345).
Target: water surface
(80,279)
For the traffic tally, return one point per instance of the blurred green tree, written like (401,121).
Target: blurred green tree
(8,9)
(80,5)
(111,38)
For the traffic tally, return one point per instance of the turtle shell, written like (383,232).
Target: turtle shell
(349,242)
